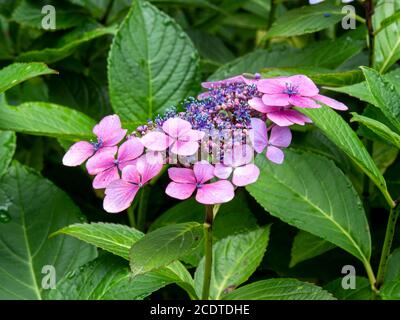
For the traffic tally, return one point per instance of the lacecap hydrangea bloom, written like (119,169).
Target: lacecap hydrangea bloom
(209,146)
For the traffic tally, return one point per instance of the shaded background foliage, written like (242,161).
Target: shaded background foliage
(138,62)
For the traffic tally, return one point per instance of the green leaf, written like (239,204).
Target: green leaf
(36,209)
(7,149)
(96,7)
(46,119)
(385,96)
(106,278)
(387,41)
(340,133)
(393,267)
(305,20)
(307,246)
(67,44)
(163,246)
(235,258)
(362,290)
(16,73)
(152,47)
(118,239)
(322,54)
(114,238)
(29,13)
(309,192)
(361,91)
(279,289)
(378,128)
(320,76)
(390,290)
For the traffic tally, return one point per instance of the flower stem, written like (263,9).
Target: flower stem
(208,224)
(131,216)
(387,244)
(143,201)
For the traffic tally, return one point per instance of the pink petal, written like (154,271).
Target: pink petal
(109,131)
(272,86)
(280,136)
(203,95)
(238,155)
(258,134)
(148,167)
(182,175)
(176,127)
(330,102)
(304,85)
(104,178)
(131,149)
(78,153)
(131,174)
(280,99)
(119,196)
(303,102)
(217,192)
(192,135)
(245,175)
(296,117)
(221,171)
(156,141)
(203,171)
(258,104)
(185,148)
(102,160)
(280,118)
(180,191)
(275,154)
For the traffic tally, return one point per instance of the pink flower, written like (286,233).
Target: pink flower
(178,135)
(237,160)
(185,181)
(104,165)
(109,133)
(296,90)
(280,137)
(282,116)
(120,193)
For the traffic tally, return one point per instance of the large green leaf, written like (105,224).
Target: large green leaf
(393,266)
(29,13)
(46,119)
(152,64)
(114,238)
(361,91)
(235,258)
(36,208)
(385,96)
(279,289)
(106,278)
(7,149)
(340,133)
(16,73)
(387,41)
(362,291)
(378,128)
(304,20)
(225,222)
(390,290)
(309,192)
(320,76)
(66,45)
(307,246)
(163,246)
(118,239)
(322,54)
